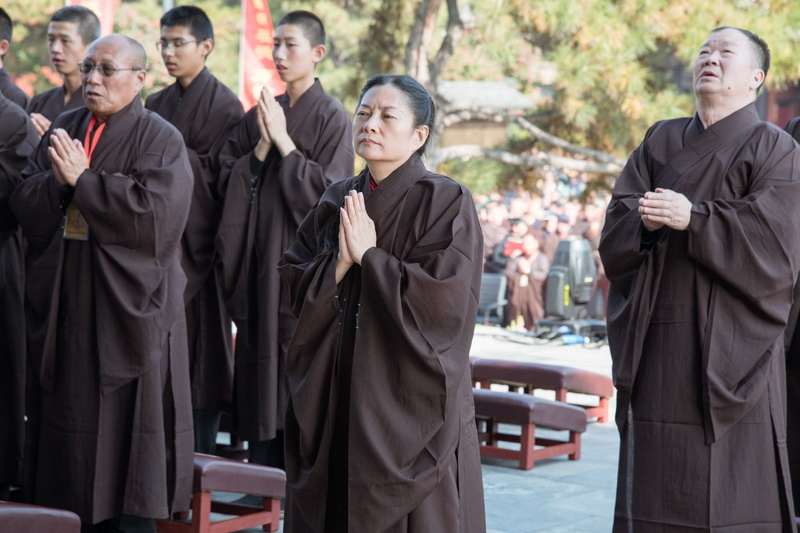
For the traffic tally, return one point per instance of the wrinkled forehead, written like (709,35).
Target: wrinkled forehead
(728,38)
(110,53)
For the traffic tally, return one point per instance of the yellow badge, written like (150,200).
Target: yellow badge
(75,227)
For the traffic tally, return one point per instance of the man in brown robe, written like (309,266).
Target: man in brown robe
(701,248)
(103,208)
(792,344)
(526,273)
(205,112)
(18,140)
(7,85)
(277,163)
(72,29)
(381,417)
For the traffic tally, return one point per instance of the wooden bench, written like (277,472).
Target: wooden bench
(561,379)
(528,412)
(212,473)
(20,517)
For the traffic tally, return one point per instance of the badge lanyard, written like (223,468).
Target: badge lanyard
(75,226)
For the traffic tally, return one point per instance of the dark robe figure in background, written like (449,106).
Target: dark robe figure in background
(205,111)
(526,273)
(70,32)
(7,85)
(792,345)
(380,431)
(18,140)
(702,251)
(275,166)
(103,210)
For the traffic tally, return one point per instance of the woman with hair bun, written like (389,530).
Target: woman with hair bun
(385,278)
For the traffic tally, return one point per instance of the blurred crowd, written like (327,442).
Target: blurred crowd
(521,232)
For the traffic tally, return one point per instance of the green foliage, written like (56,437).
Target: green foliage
(600,71)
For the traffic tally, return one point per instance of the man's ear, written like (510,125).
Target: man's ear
(4,46)
(319,52)
(758,79)
(206,46)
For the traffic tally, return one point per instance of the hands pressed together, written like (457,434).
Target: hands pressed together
(41,123)
(356,233)
(272,127)
(664,207)
(67,157)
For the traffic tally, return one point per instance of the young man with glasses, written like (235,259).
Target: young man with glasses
(204,111)
(72,29)
(103,207)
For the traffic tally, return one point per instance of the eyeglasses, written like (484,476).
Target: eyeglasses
(86,68)
(163,45)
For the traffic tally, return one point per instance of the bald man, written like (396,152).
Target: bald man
(103,211)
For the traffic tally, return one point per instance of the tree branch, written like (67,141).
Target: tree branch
(451,38)
(539,160)
(454,115)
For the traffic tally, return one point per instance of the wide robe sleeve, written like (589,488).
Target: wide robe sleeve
(631,266)
(136,218)
(18,141)
(304,178)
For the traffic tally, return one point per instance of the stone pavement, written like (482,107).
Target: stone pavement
(557,495)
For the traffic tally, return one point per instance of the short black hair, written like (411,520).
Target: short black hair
(311,25)
(193,18)
(420,102)
(6,26)
(87,21)
(761,54)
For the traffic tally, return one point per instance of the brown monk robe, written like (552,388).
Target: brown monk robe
(51,103)
(205,114)
(526,274)
(10,89)
(696,319)
(259,222)
(112,434)
(381,417)
(18,140)
(792,343)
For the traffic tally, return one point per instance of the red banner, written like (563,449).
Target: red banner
(104,9)
(256,67)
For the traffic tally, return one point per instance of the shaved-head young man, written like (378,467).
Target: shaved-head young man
(103,212)
(70,32)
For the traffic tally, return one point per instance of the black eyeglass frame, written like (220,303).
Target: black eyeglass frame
(105,70)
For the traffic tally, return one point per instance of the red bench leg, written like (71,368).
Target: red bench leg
(575,438)
(526,443)
(603,410)
(201,512)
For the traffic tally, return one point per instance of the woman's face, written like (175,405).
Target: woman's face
(383,130)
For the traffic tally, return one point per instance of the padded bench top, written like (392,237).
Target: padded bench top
(514,407)
(542,376)
(18,517)
(227,475)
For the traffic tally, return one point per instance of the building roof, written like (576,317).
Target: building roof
(487,94)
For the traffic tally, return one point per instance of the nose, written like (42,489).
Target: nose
(93,77)
(277,52)
(369,125)
(712,58)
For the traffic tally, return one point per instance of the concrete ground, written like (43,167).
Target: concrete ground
(557,495)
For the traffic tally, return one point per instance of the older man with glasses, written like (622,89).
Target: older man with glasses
(103,211)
